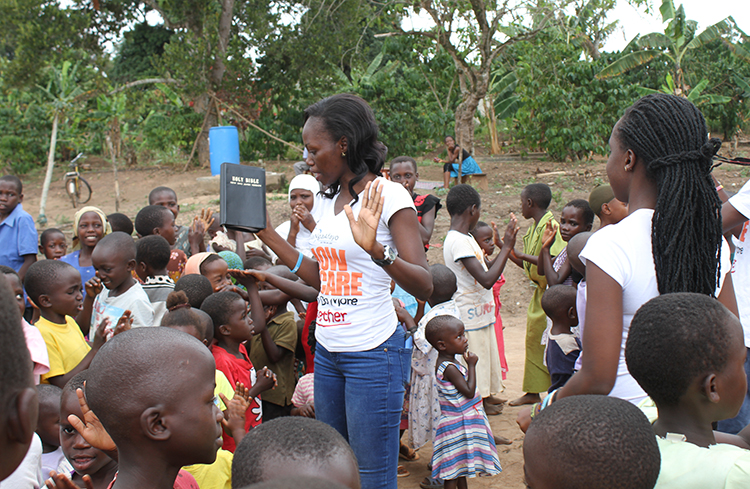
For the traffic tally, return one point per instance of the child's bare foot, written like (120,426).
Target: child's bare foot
(494,400)
(492,409)
(525,399)
(501,440)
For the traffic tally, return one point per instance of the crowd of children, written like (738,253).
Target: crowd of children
(224,395)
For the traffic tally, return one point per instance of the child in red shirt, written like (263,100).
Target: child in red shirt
(232,327)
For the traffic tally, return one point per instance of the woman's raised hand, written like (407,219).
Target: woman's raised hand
(365,227)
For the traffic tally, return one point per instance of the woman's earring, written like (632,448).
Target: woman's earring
(343,154)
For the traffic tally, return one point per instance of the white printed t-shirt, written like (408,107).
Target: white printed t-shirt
(134,300)
(741,266)
(355,310)
(623,251)
(476,304)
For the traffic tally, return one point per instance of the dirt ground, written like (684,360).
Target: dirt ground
(507,175)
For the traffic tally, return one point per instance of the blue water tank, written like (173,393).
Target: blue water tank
(223,146)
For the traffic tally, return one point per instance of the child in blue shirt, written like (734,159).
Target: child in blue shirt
(18,236)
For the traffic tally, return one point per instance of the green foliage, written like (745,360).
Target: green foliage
(139,52)
(566,110)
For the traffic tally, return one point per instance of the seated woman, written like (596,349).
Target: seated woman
(469,165)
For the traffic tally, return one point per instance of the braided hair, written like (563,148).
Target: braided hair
(346,115)
(669,135)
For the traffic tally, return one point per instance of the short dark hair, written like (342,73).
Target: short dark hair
(460,198)
(47,234)
(217,306)
(154,251)
(77,382)
(254,262)
(129,374)
(539,193)
(586,212)
(151,217)
(6,270)
(349,116)
(49,396)
(43,276)
(197,287)
(443,283)
(437,326)
(296,438)
(595,442)
(15,360)
(675,338)
(297,482)
(558,299)
(14,180)
(403,159)
(160,190)
(118,242)
(120,222)
(482,224)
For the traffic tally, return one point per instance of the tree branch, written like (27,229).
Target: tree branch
(142,82)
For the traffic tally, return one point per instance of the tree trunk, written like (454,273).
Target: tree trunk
(465,121)
(48,176)
(204,104)
(471,95)
(217,74)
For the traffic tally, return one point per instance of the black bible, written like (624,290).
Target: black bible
(243,197)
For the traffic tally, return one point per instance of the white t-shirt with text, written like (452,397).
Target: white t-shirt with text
(475,303)
(355,311)
(134,300)
(741,266)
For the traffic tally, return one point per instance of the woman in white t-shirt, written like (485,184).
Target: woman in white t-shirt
(366,235)
(659,164)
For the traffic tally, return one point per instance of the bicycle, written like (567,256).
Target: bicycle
(76,186)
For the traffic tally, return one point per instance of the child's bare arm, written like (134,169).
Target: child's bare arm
(403,316)
(28,260)
(427,225)
(291,288)
(99,340)
(467,387)
(420,311)
(546,263)
(474,267)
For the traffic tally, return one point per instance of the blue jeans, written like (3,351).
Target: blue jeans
(361,395)
(735,425)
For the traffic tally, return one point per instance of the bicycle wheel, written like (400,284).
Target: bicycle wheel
(84,191)
(70,188)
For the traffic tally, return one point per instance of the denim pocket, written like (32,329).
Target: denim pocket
(404,355)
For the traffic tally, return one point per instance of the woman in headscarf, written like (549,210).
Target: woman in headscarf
(90,225)
(297,231)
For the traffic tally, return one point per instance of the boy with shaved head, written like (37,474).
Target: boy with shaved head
(153,391)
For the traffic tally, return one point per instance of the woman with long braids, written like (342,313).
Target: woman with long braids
(366,234)
(660,163)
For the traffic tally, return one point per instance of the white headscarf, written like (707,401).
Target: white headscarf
(304,182)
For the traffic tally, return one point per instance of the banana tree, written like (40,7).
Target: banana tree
(695,95)
(501,102)
(678,38)
(61,95)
